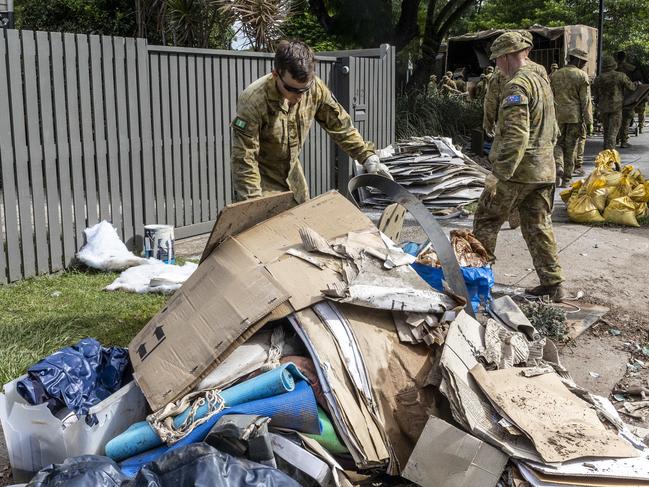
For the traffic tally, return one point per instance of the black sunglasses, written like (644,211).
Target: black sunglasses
(292,89)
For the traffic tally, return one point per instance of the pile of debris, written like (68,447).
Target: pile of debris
(432,169)
(608,194)
(305,350)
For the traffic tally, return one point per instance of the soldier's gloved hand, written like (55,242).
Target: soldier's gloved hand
(490,184)
(373,165)
(590,129)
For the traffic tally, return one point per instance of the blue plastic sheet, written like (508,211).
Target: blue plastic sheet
(479,280)
(295,410)
(76,377)
(141,437)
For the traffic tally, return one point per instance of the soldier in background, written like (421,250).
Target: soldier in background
(640,110)
(523,163)
(488,72)
(554,67)
(574,111)
(447,80)
(480,88)
(627,112)
(460,83)
(432,85)
(274,115)
(608,93)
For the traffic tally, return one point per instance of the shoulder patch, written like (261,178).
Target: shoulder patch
(513,100)
(240,123)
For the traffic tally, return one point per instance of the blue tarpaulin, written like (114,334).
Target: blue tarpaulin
(479,280)
(76,377)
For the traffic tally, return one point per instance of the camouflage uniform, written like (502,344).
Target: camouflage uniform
(640,110)
(480,88)
(574,112)
(460,84)
(627,112)
(608,91)
(432,85)
(523,162)
(493,96)
(268,135)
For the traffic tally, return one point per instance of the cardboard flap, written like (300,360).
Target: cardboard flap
(237,217)
(228,293)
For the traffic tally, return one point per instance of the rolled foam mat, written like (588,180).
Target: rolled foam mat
(295,410)
(140,437)
(328,438)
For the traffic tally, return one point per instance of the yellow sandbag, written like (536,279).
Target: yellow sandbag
(622,188)
(641,210)
(607,159)
(640,194)
(566,194)
(596,189)
(581,209)
(621,211)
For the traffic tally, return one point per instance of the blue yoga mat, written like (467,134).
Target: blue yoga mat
(140,437)
(295,410)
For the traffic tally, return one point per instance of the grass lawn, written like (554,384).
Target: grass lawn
(41,315)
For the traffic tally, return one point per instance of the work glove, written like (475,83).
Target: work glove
(490,184)
(590,129)
(373,165)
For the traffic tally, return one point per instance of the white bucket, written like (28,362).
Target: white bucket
(159,243)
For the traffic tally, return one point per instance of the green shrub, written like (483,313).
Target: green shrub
(418,114)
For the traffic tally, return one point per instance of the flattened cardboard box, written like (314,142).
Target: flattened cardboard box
(246,281)
(446,456)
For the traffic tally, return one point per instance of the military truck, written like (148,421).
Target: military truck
(470,52)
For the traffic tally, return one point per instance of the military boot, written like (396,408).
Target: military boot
(556,292)
(625,145)
(579,171)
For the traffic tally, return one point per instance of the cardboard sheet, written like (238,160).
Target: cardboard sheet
(198,323)
(537,479)
(561,425)
(446,456)
(470,407)
(240,284)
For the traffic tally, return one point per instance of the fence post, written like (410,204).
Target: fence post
(341,163)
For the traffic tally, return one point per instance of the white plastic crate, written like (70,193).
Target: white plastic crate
(36,438)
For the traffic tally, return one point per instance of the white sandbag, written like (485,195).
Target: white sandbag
(153,278)
(105,251)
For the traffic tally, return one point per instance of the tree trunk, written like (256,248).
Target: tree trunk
(319,9)
(407,27)
(437,27)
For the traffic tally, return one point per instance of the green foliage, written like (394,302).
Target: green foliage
(549,321)
(41,315)
(108,17)
(418,113)
(304,26)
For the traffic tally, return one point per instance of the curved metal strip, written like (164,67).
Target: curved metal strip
(428,223)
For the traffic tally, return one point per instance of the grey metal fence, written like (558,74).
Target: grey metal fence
(106,128)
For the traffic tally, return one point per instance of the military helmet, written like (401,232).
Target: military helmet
(489,69)
(578,53)
(449,74)
(508,43)
(608,62)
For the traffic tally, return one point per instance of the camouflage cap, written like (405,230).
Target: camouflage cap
(608,62)
(449,73)
(578,53)
(508,43)
(489,69)
(527,37)
(554,65)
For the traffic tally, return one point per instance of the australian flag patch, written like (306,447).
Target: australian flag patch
(513,100)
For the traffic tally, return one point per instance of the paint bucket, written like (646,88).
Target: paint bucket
(159,243)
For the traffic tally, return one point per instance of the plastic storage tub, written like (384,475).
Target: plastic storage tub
(36,438)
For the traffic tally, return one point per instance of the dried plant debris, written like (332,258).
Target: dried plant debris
(548,320)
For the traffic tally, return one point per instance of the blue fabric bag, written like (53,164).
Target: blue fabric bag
(479,280)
